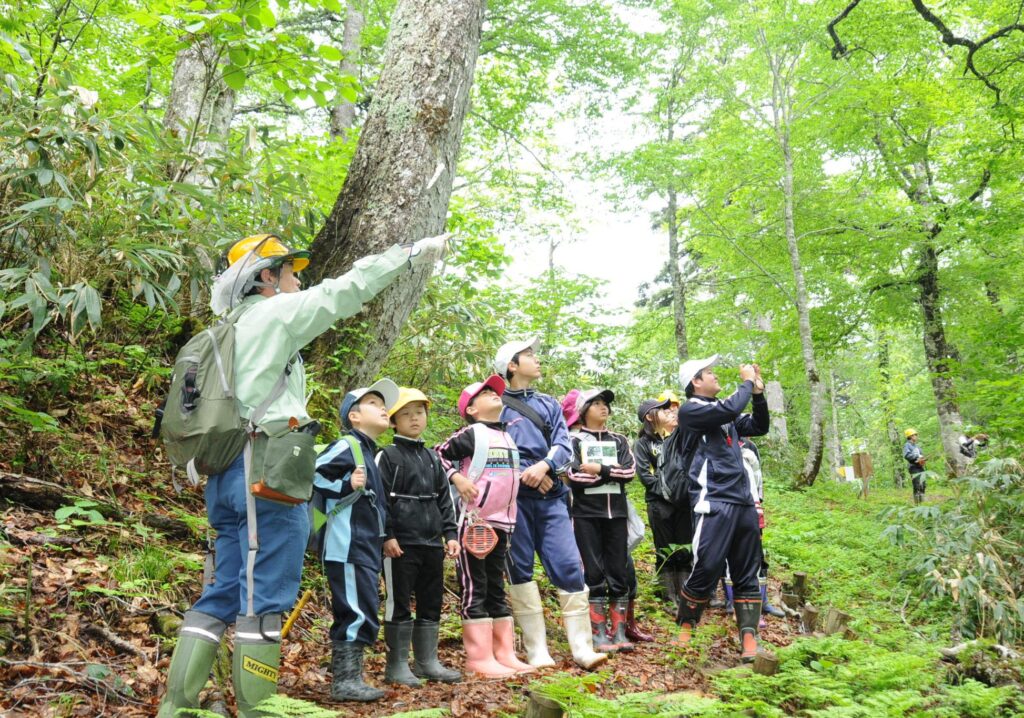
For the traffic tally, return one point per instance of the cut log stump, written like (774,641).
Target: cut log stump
(542,707)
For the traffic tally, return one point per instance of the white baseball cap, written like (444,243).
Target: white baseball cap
(509,350)
(689,369)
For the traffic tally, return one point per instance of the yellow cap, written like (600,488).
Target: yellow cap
(669,396)
(910,432)
(407,395)
(268,246)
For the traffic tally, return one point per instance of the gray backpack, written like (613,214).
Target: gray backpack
(201,425)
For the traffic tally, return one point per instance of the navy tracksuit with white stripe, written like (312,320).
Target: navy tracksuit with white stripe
(353,539)
(721,493)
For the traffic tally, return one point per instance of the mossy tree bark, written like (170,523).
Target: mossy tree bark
(400,180)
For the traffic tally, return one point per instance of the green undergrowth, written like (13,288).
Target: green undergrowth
(892,668)
(837,538)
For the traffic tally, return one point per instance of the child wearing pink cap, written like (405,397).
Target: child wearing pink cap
(482,462)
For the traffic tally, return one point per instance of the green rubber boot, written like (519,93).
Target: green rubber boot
(398,636)
(198,641)
(256,660)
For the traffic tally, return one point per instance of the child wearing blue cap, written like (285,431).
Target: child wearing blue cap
(351,532)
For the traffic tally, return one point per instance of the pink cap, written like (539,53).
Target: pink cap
(494,382)
(569,407)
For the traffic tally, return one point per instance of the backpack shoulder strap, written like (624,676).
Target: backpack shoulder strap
(514,402)
(481,444)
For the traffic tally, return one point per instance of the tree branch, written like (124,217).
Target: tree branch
(838,48)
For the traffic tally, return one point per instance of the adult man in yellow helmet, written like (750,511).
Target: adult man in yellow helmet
(260,543)
(915,459)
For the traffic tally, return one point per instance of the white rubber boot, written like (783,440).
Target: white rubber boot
(576,617)
(529,614)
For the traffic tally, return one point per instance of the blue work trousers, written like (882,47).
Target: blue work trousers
(543,527)
(282,532)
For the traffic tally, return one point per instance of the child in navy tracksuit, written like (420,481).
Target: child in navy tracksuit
(543,525)
(482,463)
(349,484)
(724,502)
(420,529)
(599,519)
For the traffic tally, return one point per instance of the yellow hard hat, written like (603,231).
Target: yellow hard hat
(268,246)
(910,432)
(669,396)
(407,395)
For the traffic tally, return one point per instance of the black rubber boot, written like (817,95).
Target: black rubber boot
(424,650)
(347,674)
(688,616)
(397,637)
(748,613)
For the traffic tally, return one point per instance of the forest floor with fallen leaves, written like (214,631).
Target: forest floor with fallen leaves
(83,641)
(82,597)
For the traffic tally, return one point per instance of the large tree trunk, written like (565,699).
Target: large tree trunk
(917,182)
(400,180)
(199,110)
(941,356)
(939,353)
(343,115)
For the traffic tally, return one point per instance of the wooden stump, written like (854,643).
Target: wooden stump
(792,600)
(809,619)
(766,663)
(835,621)
(800,585)
(543,707)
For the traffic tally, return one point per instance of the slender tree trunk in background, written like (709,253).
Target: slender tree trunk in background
(892,433)
(343,115)
(200,108)
(676,274)
(836,444)
(672,220)
(815,434)
(782,115)
(400,179)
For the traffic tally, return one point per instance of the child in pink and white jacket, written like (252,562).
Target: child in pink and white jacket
(482,463)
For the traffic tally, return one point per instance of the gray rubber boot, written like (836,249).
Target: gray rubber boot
(198,641)
(424,649)
(256,661)
(397,637)
(347,674)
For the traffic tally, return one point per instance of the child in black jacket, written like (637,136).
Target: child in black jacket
(602,463)
(419,531)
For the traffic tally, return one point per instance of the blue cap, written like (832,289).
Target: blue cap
(386,389)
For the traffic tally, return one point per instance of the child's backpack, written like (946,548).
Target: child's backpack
(318,515)
(676,456)
(201,422)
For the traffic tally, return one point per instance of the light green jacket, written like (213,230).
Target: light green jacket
(274,329)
